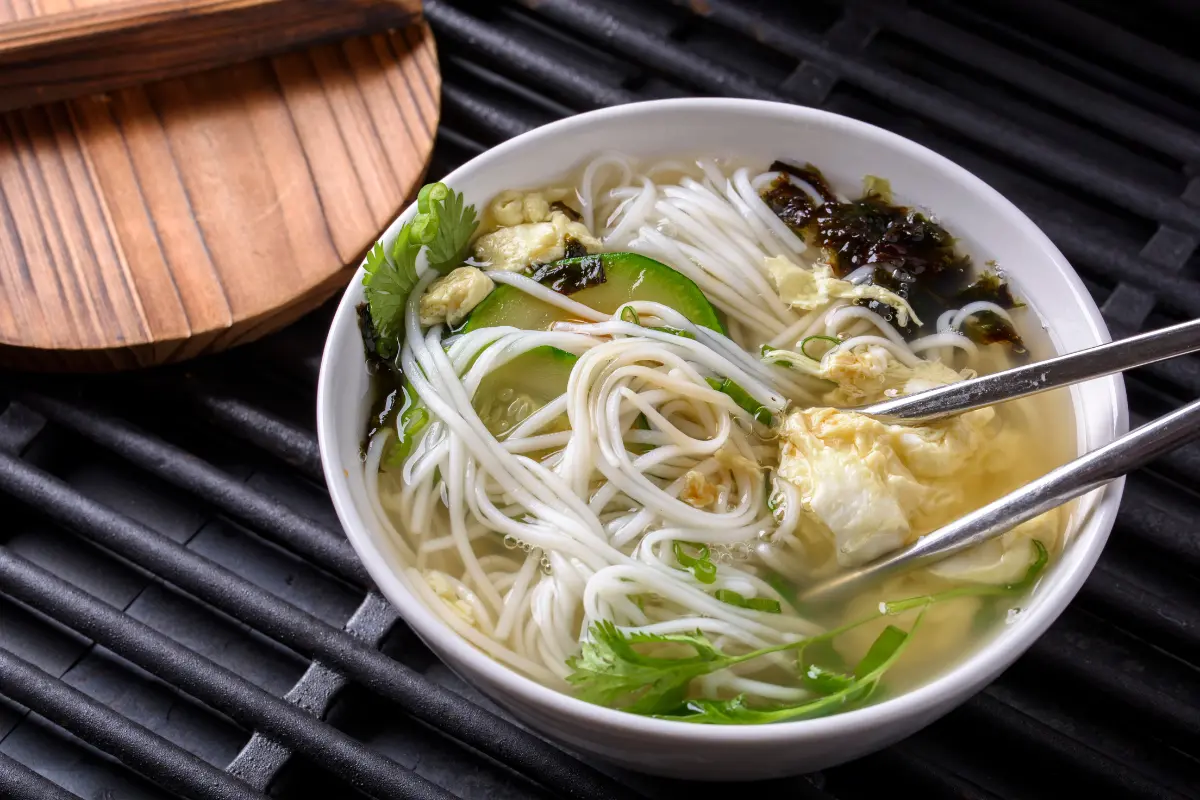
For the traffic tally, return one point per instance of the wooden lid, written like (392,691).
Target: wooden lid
(157,223)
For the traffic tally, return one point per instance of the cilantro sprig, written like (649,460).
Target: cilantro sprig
(443,226)
(609,671)
(612,671)
(837,694)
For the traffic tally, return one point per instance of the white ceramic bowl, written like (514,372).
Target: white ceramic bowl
(846,150)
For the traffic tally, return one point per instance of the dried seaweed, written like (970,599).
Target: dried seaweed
(571,213)
(571,275)
(907,251)
(991,288)
(810,175)
(988,327)
(574,247)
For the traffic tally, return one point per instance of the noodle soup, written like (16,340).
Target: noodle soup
(616,435)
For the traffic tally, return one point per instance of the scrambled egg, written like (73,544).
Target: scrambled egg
(815,288)
(529,232)
(450,298)
(869,374)
(875,487)
(512,207)
(870,488)
(698,491)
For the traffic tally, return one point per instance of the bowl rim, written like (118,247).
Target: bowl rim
(966,676)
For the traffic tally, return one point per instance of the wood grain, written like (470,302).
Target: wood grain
(156,223)
(68,48)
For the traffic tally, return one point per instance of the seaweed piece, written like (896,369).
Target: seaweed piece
(871,231)
(574,247)
(396,408)
(386,388)
(912,255)
(925,302)
(384,410)
(571,213)
(380,351)
(572,274)
(790,203)
(900,248)
(386,378)
(991,288)
(810,175)
(988,327)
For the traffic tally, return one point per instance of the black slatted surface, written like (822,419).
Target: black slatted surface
(181,617)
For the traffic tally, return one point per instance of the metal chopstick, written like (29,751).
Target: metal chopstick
(1065,483)
(999,387)
(1069,481)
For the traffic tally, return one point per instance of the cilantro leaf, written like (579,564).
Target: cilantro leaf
(824,681)
(389,279)
(610,671)
(885,648)
(442,225)
(456,223)
(736,712)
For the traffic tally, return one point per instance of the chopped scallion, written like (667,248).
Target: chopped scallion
(768,355)
(753,603)
(743,399)
(804,344)
(675,332)
(701,565)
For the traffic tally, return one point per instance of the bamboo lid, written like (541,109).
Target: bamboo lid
(155,223)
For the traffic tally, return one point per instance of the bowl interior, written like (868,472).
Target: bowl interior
(989,227)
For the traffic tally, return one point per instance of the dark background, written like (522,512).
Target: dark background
(1087,119)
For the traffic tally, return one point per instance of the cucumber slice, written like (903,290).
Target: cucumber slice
(512,392)
(629,276)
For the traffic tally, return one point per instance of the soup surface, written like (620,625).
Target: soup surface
(616,435)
